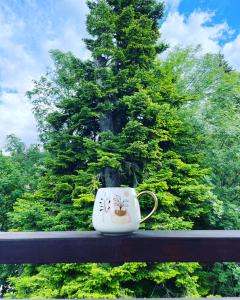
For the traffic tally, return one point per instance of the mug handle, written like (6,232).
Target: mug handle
(155,204)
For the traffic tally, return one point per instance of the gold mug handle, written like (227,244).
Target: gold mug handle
(155,204)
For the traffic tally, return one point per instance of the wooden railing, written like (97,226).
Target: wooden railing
(151,246)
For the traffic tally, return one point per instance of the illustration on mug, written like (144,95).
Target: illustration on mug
(116,208)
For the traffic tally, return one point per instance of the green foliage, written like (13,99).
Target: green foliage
(20,168)
(11,187)
(213,120)
(119,111)
(72,280)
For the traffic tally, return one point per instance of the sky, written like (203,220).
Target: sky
(30,28)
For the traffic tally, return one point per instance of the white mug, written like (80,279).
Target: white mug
(116,210)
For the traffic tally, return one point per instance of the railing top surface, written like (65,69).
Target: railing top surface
(146,234)
(142,246)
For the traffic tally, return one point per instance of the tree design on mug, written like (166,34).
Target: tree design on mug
(116,207)
(120,206)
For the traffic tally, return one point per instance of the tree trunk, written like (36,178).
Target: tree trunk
(111,177)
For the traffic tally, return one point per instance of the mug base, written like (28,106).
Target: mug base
(115,233)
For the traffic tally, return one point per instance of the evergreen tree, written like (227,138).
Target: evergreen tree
(109,121)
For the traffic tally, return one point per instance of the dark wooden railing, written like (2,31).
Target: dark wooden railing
(205,246)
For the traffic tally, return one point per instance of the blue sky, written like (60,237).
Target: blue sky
(225,10)
(30,28)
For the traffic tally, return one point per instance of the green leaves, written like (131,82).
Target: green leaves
(19,172)
(117,114)
(105,159)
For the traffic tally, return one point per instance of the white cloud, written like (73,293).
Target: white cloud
(231,50)
(194,30)
(80,6)
(18,68)
(70,40)
(19,65)
(198,29)
(72,31)
(63,29)
(16,117)
(172,5)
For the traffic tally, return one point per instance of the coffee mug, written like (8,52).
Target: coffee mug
(116,210)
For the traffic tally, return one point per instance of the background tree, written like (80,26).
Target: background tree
(213,120)
(20,167)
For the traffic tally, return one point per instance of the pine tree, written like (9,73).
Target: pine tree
(109,121)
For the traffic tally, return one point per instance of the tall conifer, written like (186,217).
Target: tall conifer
(110,121)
